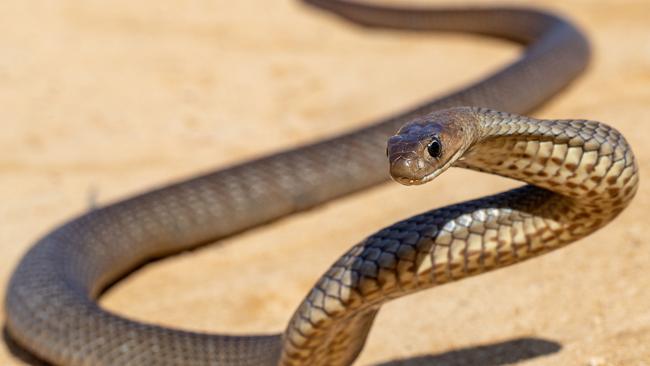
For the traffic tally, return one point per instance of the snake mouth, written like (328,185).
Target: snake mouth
(408,181)
(416,182)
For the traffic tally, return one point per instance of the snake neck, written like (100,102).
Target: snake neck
(586,161)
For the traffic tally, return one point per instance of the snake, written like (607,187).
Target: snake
(580,175)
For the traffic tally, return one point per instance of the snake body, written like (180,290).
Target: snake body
(583,175)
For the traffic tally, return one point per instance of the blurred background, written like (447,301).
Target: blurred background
(103,99)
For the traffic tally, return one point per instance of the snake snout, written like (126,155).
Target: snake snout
(407,170)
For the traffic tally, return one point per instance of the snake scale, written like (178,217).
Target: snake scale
(581,174)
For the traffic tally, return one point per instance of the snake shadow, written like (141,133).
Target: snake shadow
(494,354)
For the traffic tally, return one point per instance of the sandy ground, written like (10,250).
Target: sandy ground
(102,99)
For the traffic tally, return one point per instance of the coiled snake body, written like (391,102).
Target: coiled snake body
(581,175)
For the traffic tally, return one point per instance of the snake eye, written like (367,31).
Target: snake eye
(434,148)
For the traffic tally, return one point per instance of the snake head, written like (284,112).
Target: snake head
(425,147)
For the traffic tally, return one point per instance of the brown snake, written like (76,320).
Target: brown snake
(581,174)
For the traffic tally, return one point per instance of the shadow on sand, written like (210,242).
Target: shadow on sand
(496,354)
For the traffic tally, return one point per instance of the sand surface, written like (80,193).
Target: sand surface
(102,99)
